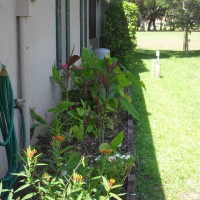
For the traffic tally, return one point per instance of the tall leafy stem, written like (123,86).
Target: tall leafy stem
(101,84)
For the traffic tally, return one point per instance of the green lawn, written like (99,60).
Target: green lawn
(168,140)
(167,40)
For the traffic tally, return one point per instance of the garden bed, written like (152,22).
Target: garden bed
(125,123)
(88,148)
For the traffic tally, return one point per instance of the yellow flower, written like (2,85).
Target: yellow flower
(109,151)
(77,178)
(58,138)
(111,182)
(31,153)
(104,151)
(46,176)
(61,138)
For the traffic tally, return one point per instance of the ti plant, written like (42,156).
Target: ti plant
(63,80)
(101,85)
(104,82)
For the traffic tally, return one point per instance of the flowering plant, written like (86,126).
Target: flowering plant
(100,84)
(111,163)
(47,186)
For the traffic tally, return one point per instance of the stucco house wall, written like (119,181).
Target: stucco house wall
(9,56)
(41,51)
(41,55)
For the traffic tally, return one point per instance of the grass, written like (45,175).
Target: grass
(168,140)
(167,40)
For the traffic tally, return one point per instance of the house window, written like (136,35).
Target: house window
(62,31)
(83,23)
(58,33)
(92,18)
(97,20)
(102,22)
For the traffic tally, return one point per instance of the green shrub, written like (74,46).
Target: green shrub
(101,84)
(121,24)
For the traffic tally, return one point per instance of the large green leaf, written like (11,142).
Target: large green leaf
(29,196)
(115,196)
(103,198)
(123,80)
(63,106)
(10,196)
(37,117)
(104,146)
(132,78)
(126,105)
(105,183)
(72,162)
(87,57)
(80,196)
(22,187)
(56,75)
(117,140)
(78,132)
(113,103)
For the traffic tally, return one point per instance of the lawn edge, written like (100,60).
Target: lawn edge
(131,181)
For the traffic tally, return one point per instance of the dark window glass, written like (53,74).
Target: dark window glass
(92,19)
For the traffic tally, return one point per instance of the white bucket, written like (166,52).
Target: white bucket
(102,53)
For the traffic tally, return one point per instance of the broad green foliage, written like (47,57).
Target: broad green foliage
(63,173)
(104,146)
(69,176)
(114,145)
(99,92)
(38,121)
(100,85)
(121,24)
(63,106)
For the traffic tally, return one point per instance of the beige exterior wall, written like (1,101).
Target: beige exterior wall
(41,54)
(8,55)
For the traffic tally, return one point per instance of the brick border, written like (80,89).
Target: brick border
(131,186)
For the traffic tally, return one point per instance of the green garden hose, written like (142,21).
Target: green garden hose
(7,130)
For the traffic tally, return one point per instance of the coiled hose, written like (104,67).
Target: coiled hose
(7,130)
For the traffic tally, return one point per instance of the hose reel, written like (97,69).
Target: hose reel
(7,129)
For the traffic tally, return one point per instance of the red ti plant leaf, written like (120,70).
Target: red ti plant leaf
(73,59)
(113,65)
(109,67)
(64,66)
(78,68)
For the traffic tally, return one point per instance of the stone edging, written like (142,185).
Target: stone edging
(131,192)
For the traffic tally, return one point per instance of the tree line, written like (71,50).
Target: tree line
(180,14)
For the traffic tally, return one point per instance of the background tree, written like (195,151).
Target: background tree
(120,30)
(150,10)
(185,15)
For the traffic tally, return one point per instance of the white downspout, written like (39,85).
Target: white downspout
(23,11)
(23,63)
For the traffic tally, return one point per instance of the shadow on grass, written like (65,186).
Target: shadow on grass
(151,54)
(148,181)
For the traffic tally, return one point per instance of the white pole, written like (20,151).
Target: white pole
(157,64)
(24,73)
(157,68)
(152,69)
